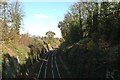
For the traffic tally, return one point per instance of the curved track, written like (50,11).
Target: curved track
(49,67)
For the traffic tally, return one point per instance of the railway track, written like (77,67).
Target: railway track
(48,68)
(43,66)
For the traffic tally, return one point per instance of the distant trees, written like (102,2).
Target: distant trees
(50,34)
(51,41)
